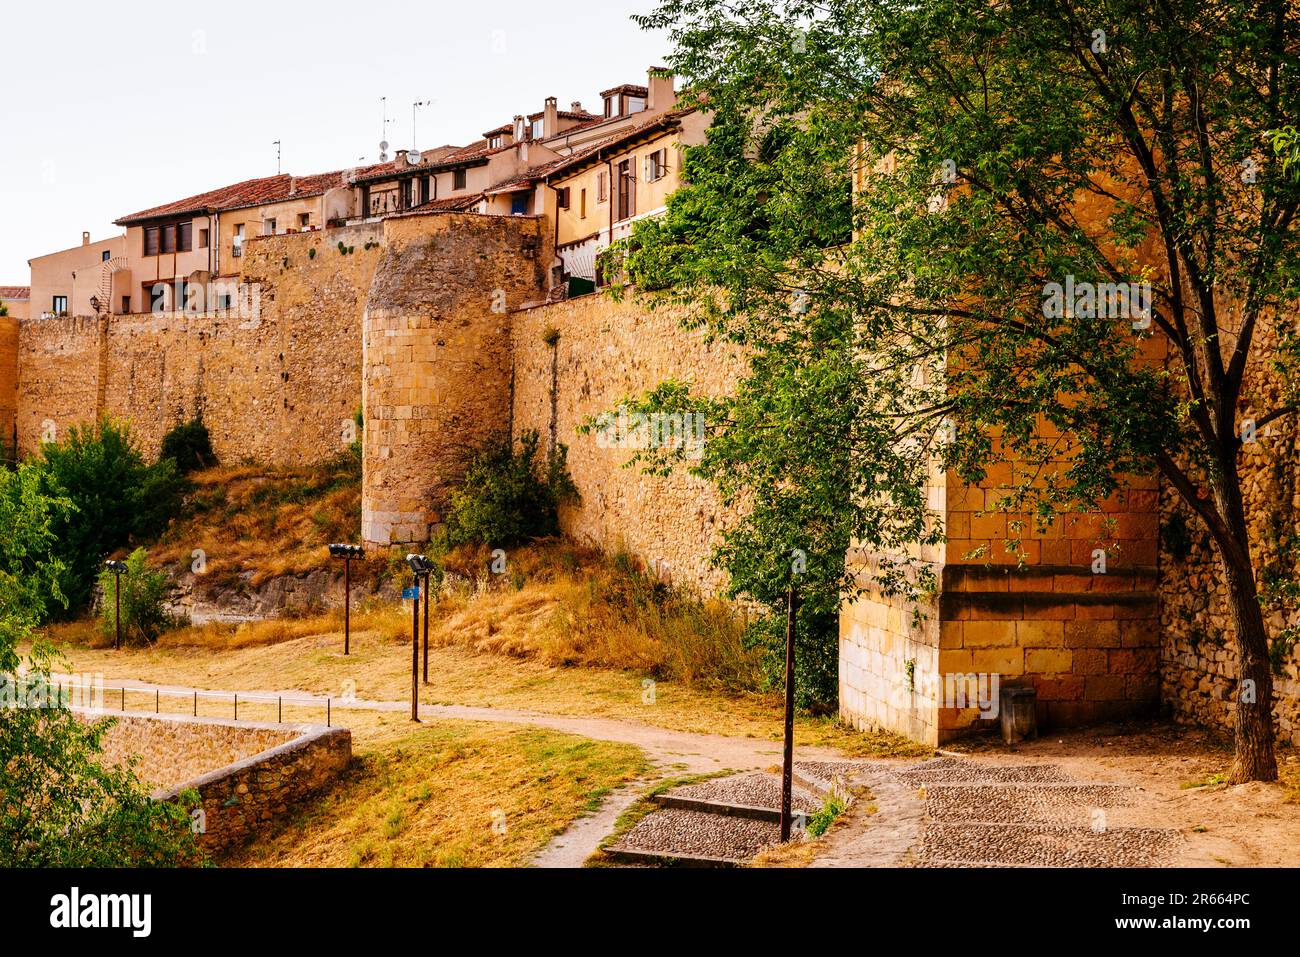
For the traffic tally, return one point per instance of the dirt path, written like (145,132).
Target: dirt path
(954,822)
(671,753)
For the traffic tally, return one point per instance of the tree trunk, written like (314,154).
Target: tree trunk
(1253,758)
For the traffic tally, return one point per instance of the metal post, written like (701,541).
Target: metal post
(415,649)
(236,705)
(279,710)
(196,704)
(327,712)
(157,702)
(426,627)
(787,758)
(347,604)
(123,698)
(117,614)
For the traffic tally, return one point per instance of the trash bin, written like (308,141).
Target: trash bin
(1019,713)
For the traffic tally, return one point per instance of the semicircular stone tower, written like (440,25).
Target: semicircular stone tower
(436,359)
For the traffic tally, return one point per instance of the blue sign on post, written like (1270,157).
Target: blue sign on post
(410,592)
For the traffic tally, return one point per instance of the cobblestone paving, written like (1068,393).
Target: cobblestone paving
(757,789)
(975,813)
(700,834)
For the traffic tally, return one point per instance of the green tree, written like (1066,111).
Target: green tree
(1003,148)
(189,446)
(59,806)
(145,595)
(116,497)
(509,495)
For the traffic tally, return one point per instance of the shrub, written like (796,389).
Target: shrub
(145,596)
(63,806)
(508,496)
(115,497)
(189,446)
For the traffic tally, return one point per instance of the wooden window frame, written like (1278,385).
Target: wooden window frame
(459,178)
(156,233)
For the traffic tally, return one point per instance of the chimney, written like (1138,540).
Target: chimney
(551,119)
(521,127)
(401,157)
(662,95)
(85,238)
(576,106)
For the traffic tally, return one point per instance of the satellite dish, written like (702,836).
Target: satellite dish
(383,145)
(413,157)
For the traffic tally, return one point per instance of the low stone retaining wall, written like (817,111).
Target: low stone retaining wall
(248,774)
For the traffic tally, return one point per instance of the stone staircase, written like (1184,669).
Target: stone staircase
(723,822)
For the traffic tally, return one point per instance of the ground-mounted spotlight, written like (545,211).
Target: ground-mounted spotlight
(347,553)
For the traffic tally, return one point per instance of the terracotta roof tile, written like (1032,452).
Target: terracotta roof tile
(631,88)
(252,192)
(578,158)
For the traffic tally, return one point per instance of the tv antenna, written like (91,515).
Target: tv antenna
(414,107)
(383,132)
(276,144)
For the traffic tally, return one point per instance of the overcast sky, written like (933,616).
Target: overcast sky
(110,108)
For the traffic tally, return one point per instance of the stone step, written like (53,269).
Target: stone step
(756,795)
(694,838)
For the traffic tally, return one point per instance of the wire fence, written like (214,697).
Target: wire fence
(206,704)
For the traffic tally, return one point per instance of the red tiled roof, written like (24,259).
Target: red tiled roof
(631,88)
(252,192)
(452,203)
(528,177)
(584,116)
(578,159)
(15,292)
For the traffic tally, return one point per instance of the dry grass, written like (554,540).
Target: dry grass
(264,521)
(569,606)
(448,794)
(379,669)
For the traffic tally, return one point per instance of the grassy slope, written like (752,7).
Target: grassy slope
(266,521)
(449,794)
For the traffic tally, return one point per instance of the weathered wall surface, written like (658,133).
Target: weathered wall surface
(437,358)
(278,386)
(607,351)
(58,377)
(276,381)
(8,382)
(247,774)
(169,751)
(1199,666)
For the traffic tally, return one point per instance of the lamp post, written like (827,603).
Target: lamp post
(347,553)
(117,568)
(426,624)
(787,755)
(420,567)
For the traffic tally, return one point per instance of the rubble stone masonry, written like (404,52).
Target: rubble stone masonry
(440,326)
(277,386)
(437,358)
(604,352)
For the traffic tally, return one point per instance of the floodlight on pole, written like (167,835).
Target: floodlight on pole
(118,569)
(420,566)
(347,553)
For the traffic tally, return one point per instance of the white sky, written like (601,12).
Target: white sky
(109,108)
